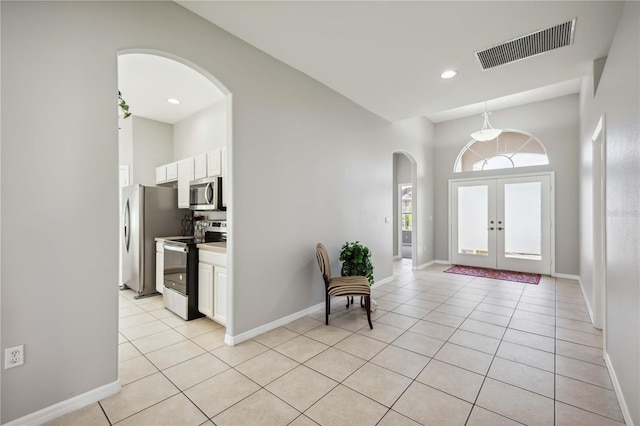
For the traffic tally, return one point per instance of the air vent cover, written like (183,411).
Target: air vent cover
(527,46)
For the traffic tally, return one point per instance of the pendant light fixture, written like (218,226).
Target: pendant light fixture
(487,132)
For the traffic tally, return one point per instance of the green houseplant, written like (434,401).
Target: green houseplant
(356,260)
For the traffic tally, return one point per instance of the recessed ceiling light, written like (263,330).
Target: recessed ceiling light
(173,101)
(449,74)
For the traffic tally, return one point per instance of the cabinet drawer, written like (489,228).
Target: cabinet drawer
(212,257)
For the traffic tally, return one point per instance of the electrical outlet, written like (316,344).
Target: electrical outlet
(14,356)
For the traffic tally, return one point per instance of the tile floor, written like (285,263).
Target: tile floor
(445,350)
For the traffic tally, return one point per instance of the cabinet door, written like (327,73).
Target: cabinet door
(220,295)
(172,171)
(185,175)
(161,174)
(159,272)
(205,289)
(200,166)
(214,167)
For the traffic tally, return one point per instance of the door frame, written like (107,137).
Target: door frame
(599,236)
(552,209)
(399,221)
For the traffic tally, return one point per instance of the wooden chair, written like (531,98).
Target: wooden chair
(342,286)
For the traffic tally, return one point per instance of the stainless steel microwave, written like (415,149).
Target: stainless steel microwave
(206,194)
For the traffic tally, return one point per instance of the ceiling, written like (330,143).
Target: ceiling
(387,56)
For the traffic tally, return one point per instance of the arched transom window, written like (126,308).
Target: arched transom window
(511,149)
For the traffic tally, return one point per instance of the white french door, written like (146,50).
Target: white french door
(502,223)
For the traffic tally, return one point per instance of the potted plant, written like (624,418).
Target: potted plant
(356,260)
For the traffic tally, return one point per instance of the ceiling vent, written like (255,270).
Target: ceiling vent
(527,46)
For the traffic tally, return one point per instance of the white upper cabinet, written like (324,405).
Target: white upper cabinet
(161,174)
(214,163)
(172,171)
(200,166)
(185,175)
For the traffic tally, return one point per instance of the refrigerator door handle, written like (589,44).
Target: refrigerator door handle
(126,225)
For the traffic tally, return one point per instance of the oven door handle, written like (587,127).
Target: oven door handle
(176,248)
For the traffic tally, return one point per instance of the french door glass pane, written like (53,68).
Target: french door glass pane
(523,220)
(473,217)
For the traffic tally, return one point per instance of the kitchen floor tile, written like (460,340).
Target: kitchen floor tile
(444,319)
(579,337)
(402,361)
(234,355)
(301,348)
(145,329)
(135,369)
(397,320)
(523,376)
(411,311)
(419,343)
(566,415)
(479,327)
(361,346)
(469,359)
(581,352)
(531,340)
(335,363)
(304,324)
(585,327)
(158,341)
(301,387)
(528,356)
(220,392)
(430,406)
(490,318)
(126,351)
(129,321)
(453,380)
(393,418)
(454,310)
(475,341)
(89,415)
(584,371)
(589,397)
(495,309)
(534,317)
(515,403)
(384,333)
(343,404)
(381,385)
(172,411)
(481,417)
(174,354)
(427,305)
(352,321)
(266,367)
(532,327)
(431,329)
(260,408)
(197,327)
(329,334)
(195,370)
(211,340)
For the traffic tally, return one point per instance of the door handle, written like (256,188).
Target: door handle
(500,229)
(491,229)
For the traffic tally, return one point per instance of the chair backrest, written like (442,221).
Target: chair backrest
(323,262)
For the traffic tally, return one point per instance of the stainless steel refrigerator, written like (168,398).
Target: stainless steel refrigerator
(147,212)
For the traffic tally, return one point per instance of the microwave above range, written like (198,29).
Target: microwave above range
(206,194)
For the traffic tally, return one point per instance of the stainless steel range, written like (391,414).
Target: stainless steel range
(181,268)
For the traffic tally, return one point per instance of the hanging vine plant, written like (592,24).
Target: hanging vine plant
(123,105)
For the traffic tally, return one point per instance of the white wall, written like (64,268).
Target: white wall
(201,132)
(618,97)
(152,146)
(555,124)
(312,163)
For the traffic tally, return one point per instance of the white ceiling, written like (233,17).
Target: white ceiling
(147,81)
(387,56)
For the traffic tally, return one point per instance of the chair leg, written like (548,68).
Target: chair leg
(327,309)
(362,301)
(367,304)
(347,302)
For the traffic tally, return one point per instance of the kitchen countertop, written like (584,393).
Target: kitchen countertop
(161,239)
(220,247)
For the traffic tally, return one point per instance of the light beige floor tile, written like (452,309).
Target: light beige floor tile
(135,369)
(396,320)
(134,320)
(528,356)
(174,354)
(393,418)
(234,355)
(158,341)
(126,351)
(542,300)
(129,311)
(142,330)
(335,363)
(173,321)
(430,406)
(579,337)
(381,385)
(533,327)
(433,297)
(301,387)
(154,304)
(505,303)
(475,341)
(89,415)
(177,410)
(266,367)
(584,327)
(453,380)
(534,308)
(384,333)
(454,310)
(479,327)
(515,403)
(419,343)
(304,324)
(530,340)
(425,304)
(574,315)
(431,329)
(481,417)
(574,307)
(495,309)
(329,334)
(353,321)
(394,297)
(260,408)
(195,370)
(197,327)
(464,303)
(495,319)
(137,396)
(581,352)
(303,420)
(211,340)
(584,371)
(345,405)
(589,397)
(275,337)
(523,376)
(301,348)
(162,313)
(411,311)
(566,415)
(444,319)
(361,346)
(402,361)
(221,392)
(469,359)
(122,339)
(386,304)
(471,294)
(534,317)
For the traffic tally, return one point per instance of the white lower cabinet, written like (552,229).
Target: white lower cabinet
(212,285)
(159,267)
(205,289)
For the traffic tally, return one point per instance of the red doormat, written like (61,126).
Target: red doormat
(520,277)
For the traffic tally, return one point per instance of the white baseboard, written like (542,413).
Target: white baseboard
(566,276)
(433,262)
(586,300)
(616,386)
(382,281)
(67,406)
